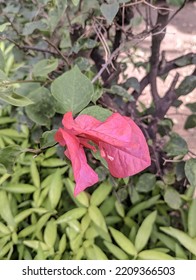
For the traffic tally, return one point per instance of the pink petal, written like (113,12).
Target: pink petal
(127,161)
(84,175)
(114,130)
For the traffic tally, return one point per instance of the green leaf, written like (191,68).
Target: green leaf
(184,239)
(3,77)
(73,89)
(172,198)
(109,11)
(154,255)
(116,251)
(100,194)
(123,242)
(5,209)
(75,2)
(82,198)
(133,83)
(47,139)
(13,98)
(8,157)
(73,214)
(19,188)
(146,183)
(2,60)
(44,67)
(191,219)
(55,189)
(119,208)
(190,122)
(50,233)
(43,108)
(176,146)
(4,25)
(142,206)
(98,253)
(187,85)
(190,171)
(192,106)
(21,216)
(35,244)
(35,174)
(144,231)
(97,217)
(30,27)
(97,112)
(62,243)
(120,91)
(183,61)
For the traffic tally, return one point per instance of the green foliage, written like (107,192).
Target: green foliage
(47,68)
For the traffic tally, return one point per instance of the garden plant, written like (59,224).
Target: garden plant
(88,171)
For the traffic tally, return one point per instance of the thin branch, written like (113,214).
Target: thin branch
(58,51)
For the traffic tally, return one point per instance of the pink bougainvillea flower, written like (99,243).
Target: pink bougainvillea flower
(120,142)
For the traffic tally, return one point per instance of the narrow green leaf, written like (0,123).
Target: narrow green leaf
(21,216)
(82,199)
(35,174)
(2,60)
(184,239)
(190,171)
(76,213)
(4,229)
(19,188)
(142,206)
(55,189)
(154,255)
(97,217)
(73,89)
(26,231)
(5,209)
(53,162)
(62,243)
(35,244)
(75,2)
(192,219)
(4,25)
(15,99)
(119,208)
(116,251)
(123,242)
(6,249)
(100,194)
(144,231)
(99,254)
(50,233)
